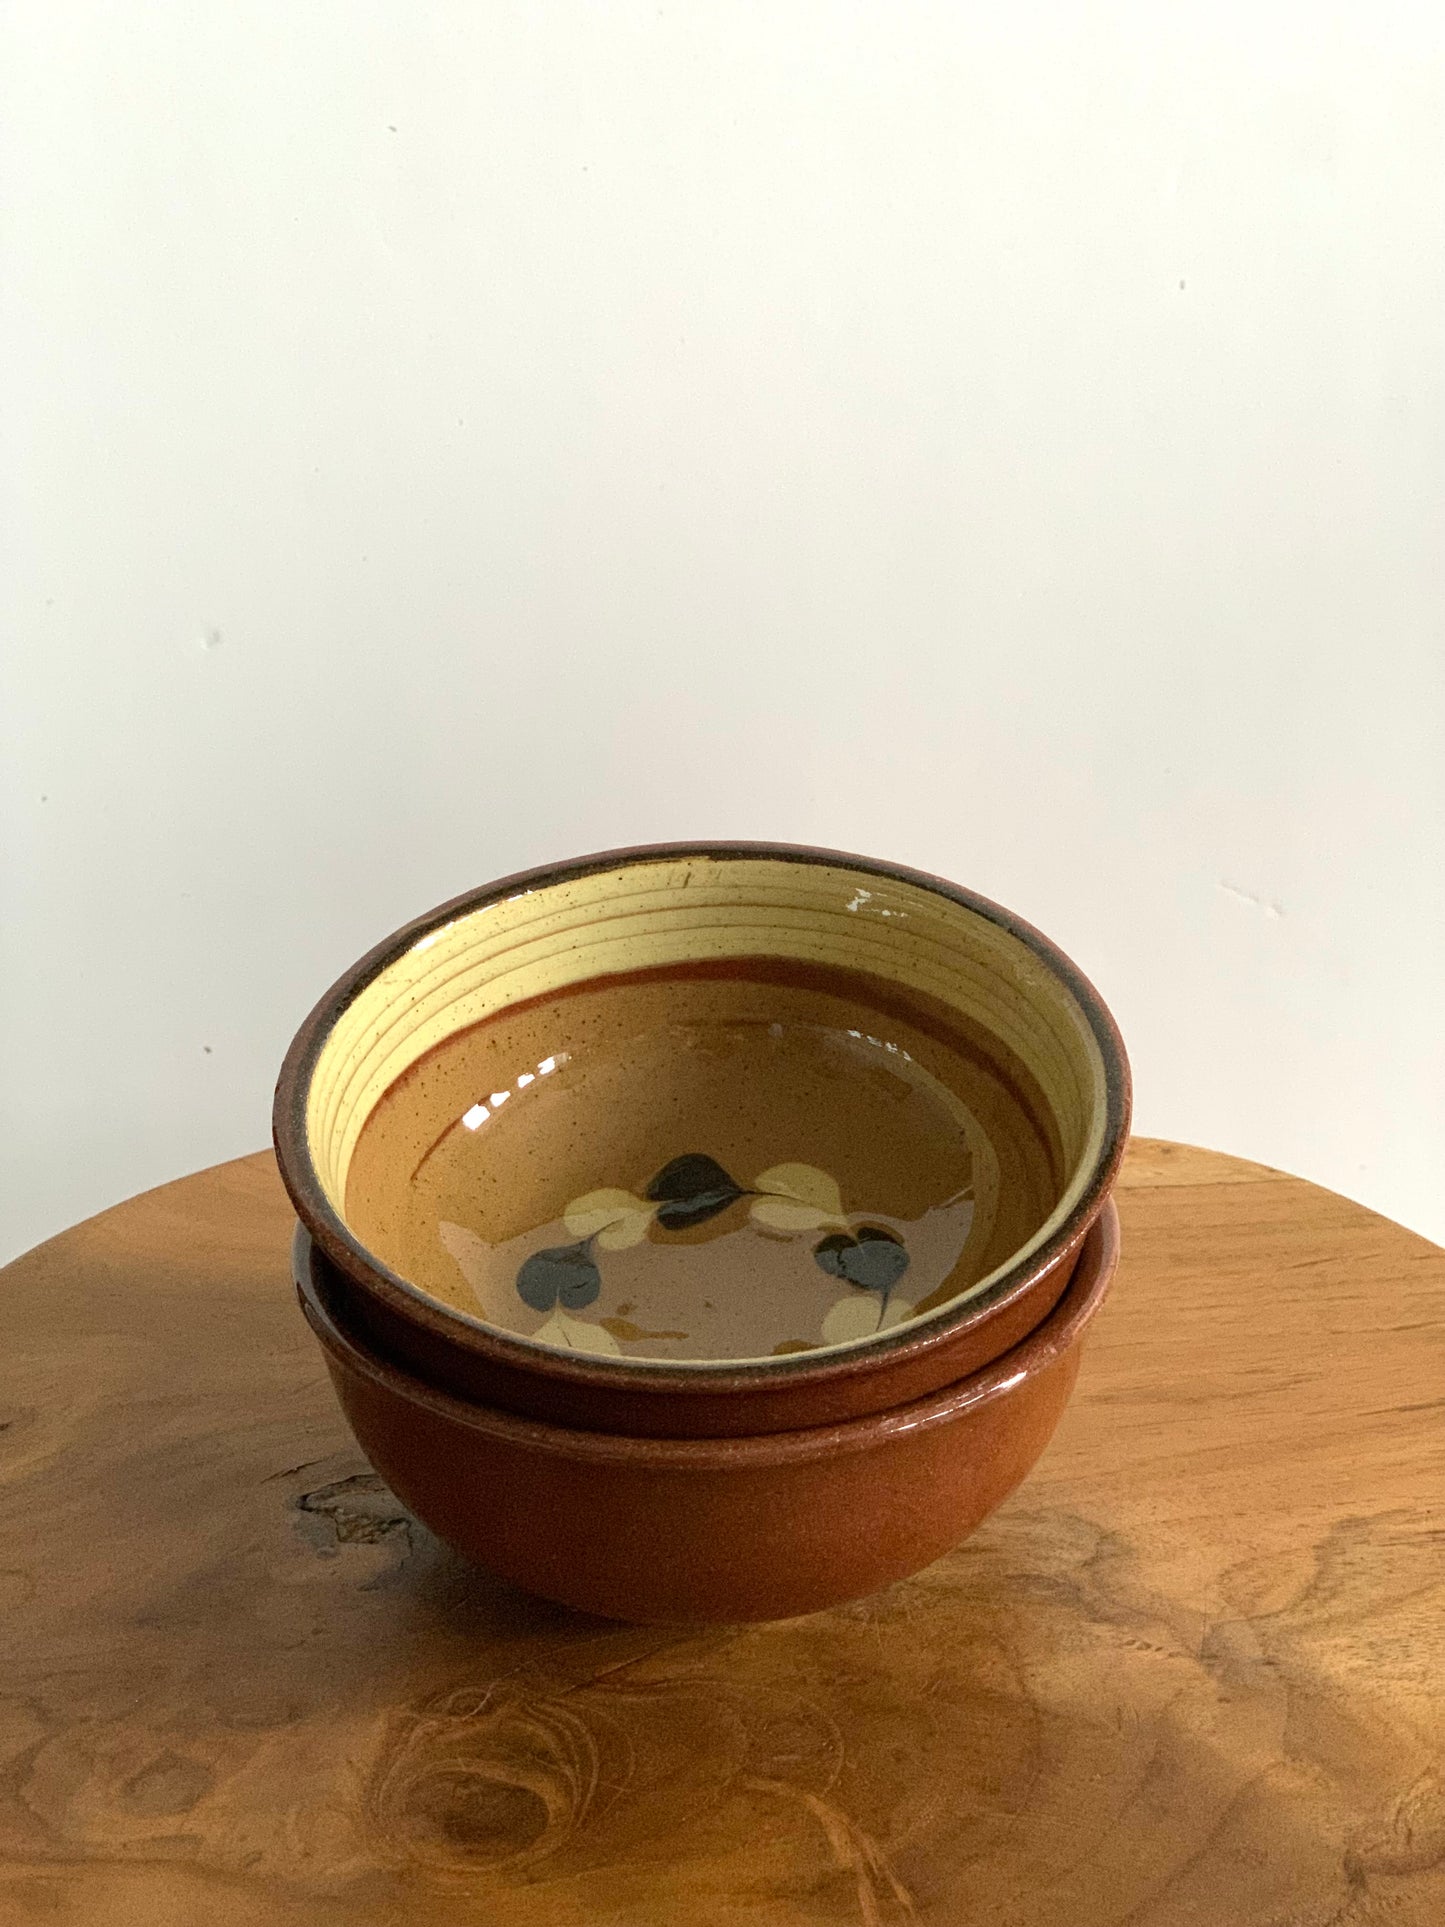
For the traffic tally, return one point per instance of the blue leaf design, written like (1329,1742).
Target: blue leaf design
(690,1190)
(563,1274)
(874,1260)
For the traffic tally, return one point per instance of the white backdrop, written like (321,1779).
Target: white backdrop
(443,437)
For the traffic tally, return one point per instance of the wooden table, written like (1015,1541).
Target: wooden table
(1191,1676)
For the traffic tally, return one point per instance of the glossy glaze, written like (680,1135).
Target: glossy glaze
(579,1391)
(729,1162)
(693,1530)
(954,962)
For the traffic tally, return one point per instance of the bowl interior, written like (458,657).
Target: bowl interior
(705,1109)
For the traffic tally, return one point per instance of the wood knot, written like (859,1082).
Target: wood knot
(361,1510)
(485,1779)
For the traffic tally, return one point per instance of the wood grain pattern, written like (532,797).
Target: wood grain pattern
(1191,1674)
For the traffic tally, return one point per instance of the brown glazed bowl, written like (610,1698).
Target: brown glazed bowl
(696,1530)
(618,915)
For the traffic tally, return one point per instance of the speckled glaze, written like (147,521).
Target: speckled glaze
(726,1161)
(680,905)
(672,1404)
(697,1530)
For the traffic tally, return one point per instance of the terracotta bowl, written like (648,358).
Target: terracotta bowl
(691,1530)
(512,971)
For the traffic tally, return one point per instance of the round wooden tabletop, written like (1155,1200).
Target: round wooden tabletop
(1192,1675)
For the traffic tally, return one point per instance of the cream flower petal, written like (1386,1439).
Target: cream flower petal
(805,1183)
(576,1334)
(792,1214)
(630,1229)
(588,1215)
(855,1316)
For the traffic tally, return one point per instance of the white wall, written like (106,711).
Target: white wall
(443,437)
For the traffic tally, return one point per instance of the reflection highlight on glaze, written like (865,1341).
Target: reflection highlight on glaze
(476,1115)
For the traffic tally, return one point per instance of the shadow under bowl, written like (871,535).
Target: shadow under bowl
(700,1530)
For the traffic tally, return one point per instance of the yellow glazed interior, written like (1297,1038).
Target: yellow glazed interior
(689,908)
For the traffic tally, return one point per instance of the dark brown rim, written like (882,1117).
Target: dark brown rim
(1052,1340)
(298,1173)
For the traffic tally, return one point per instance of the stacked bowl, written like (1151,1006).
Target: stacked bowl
(705,1232)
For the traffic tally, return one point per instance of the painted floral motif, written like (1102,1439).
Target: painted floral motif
(797,1197)
(784,1201)
(562,1280)
(690,1190)
(872,1260)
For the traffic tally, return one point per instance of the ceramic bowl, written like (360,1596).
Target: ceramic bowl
(752,1264)
(696,1530)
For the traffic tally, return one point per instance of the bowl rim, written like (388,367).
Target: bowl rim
(800,1369)
(1050,1341)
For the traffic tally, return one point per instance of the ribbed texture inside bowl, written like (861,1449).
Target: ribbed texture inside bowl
(943,964)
